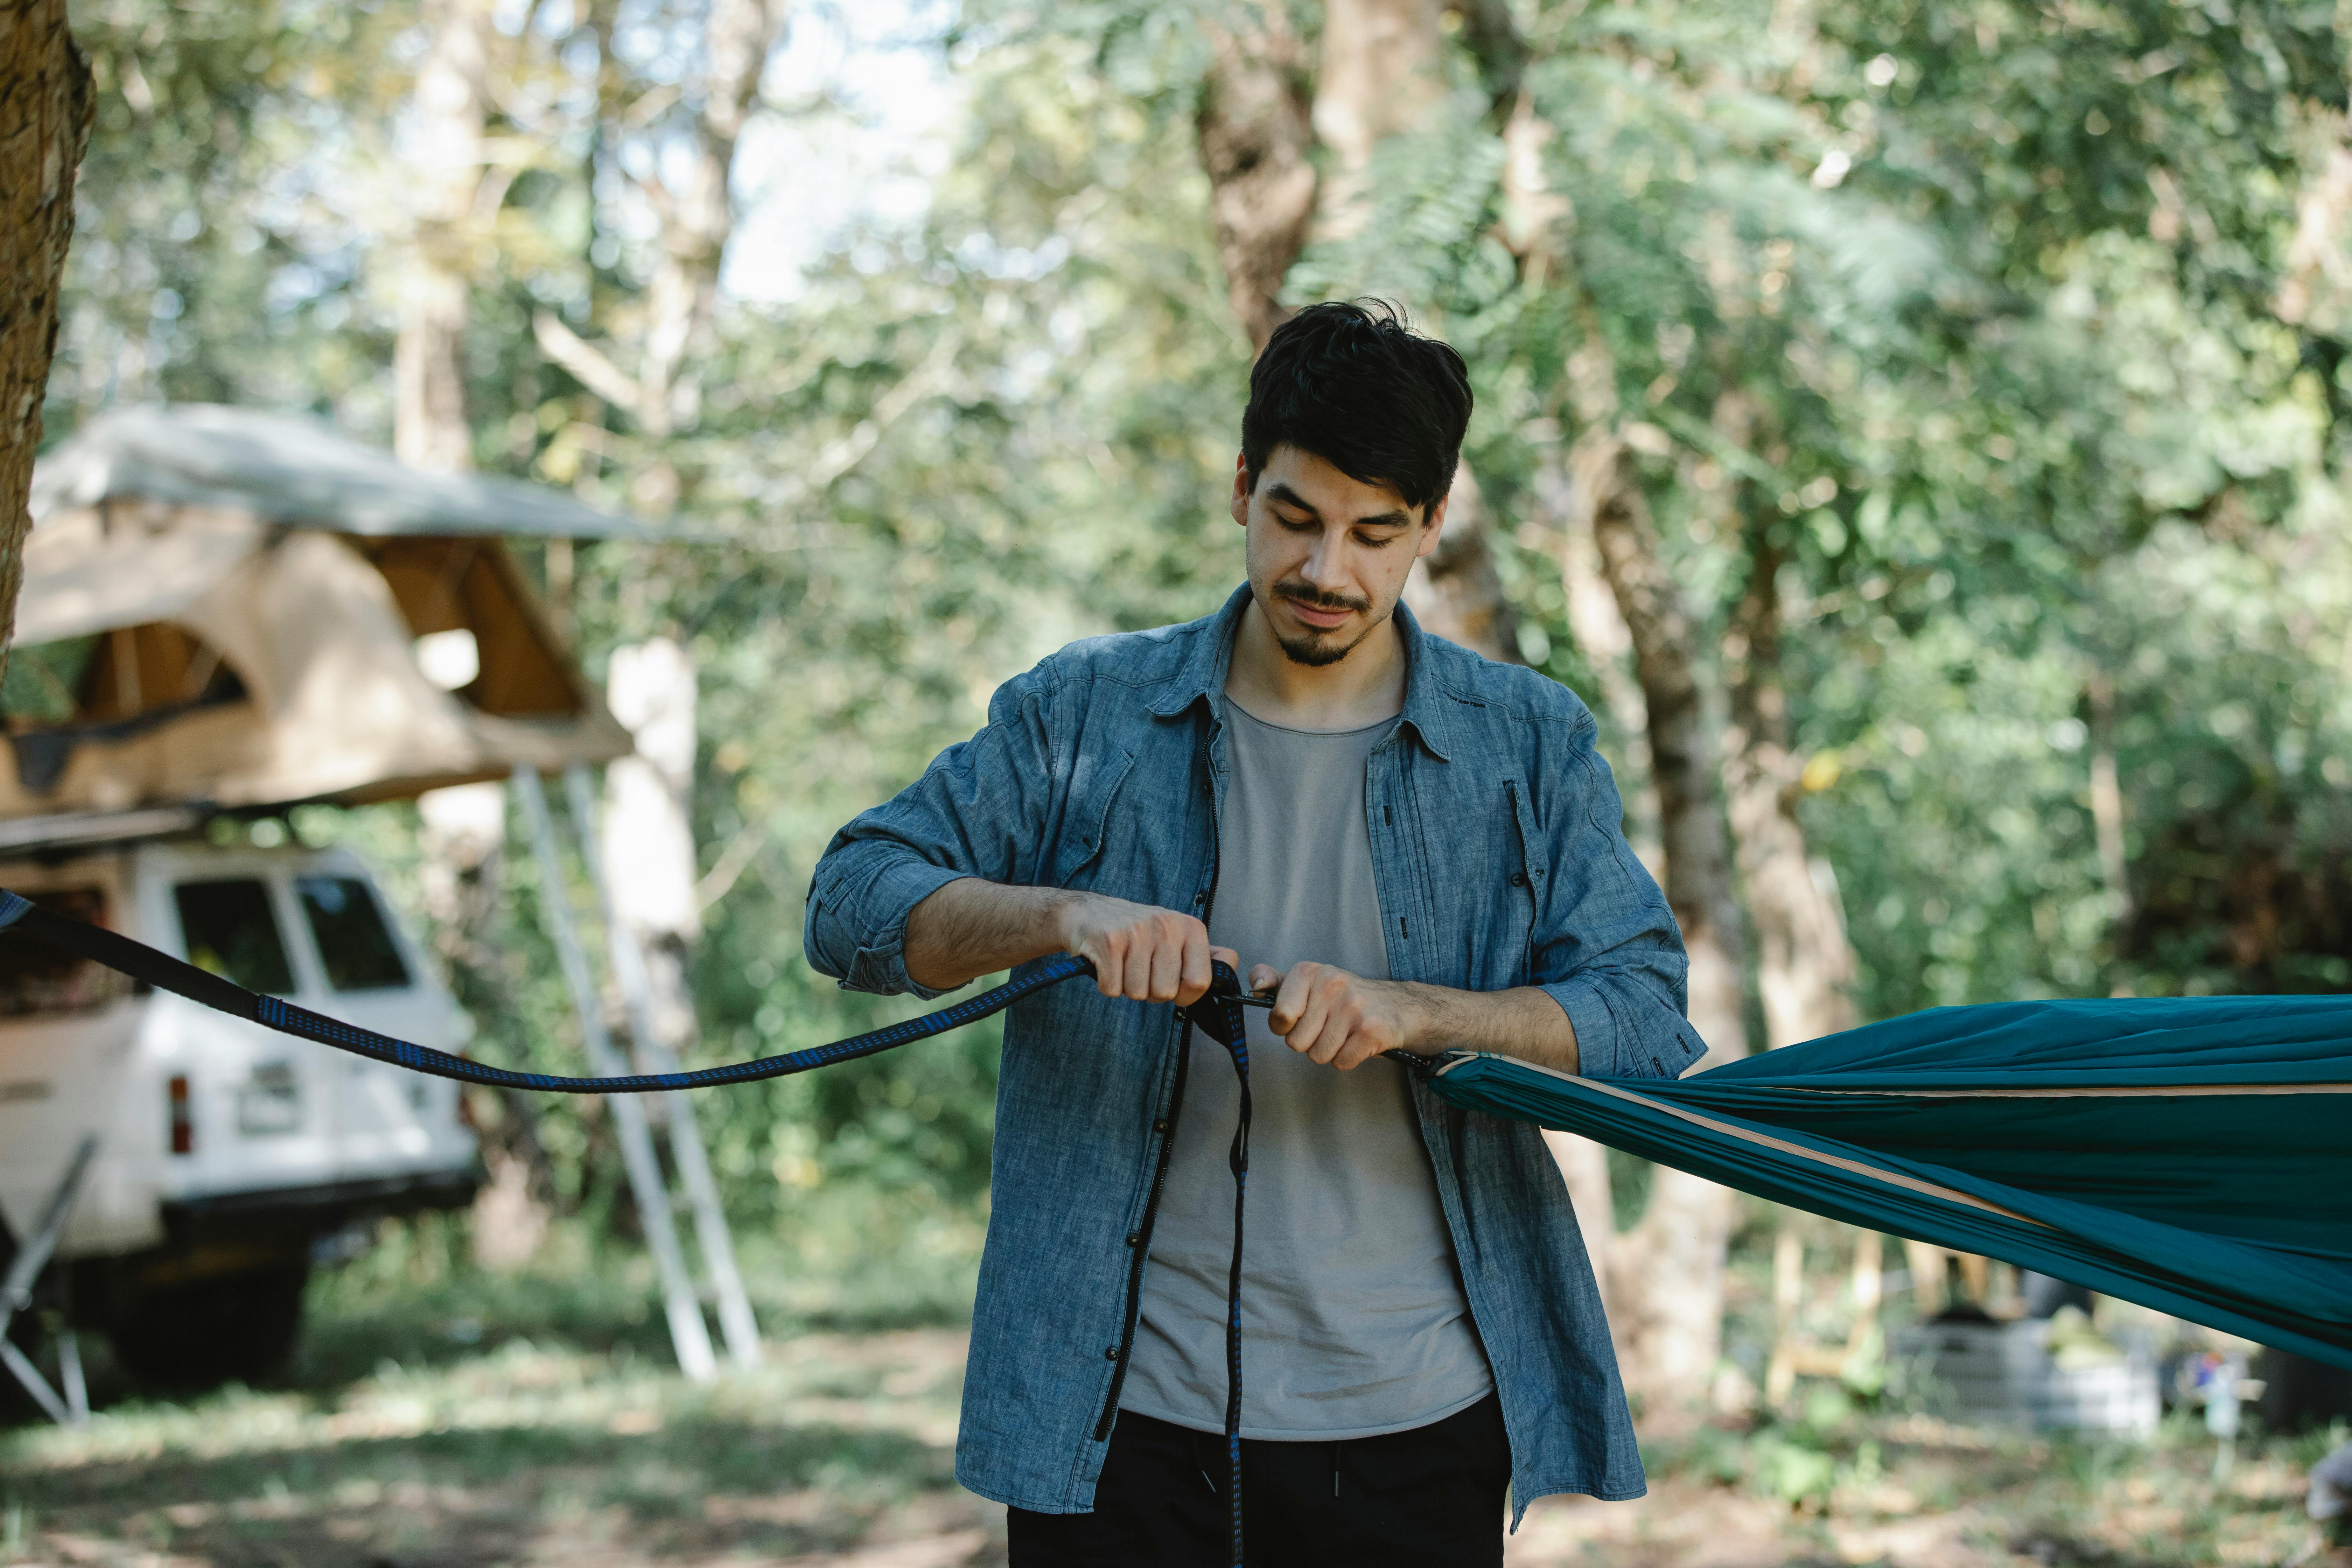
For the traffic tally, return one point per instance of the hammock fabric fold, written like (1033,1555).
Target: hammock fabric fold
(2190,1154)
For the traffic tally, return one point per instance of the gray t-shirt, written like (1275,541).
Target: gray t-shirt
(1353,1322)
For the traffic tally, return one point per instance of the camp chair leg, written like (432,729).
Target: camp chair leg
(35,1383)
(17,1294)
(76,1391)
(70,1374)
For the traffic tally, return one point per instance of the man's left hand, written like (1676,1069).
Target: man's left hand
(1334,1018)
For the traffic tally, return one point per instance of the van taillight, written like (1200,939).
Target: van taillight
(184,1122)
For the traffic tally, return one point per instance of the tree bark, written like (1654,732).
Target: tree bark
(1668,1271)
(1456,591)
(1502,55)
(451,105)
(46,107)
(1804,963)
(1383,73)
(1255,136)
(699,217)
(1665,636)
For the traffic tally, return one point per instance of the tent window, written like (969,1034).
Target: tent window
(109,687)
(35,979)
(230,931)
(44,681)
(132,672)
(472,586)
(355,945)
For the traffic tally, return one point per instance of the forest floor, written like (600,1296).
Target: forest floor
(404,1437)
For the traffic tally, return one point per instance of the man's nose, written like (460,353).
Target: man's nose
(1326,564)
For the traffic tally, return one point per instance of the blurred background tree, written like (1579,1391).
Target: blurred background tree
(1916,432)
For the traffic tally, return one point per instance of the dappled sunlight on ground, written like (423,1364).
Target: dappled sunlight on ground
(1909,1492)
(839,1451)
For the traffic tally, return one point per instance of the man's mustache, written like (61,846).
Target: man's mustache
(1301,593)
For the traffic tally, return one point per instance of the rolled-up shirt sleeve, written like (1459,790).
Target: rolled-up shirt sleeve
(1605,945)
(979,810)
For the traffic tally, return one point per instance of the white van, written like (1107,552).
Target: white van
(227,1152)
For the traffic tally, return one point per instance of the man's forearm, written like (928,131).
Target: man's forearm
(970,928)
(1344,1020)
(967,928)
(1523,1021)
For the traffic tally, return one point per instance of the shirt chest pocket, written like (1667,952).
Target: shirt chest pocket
(1086,818)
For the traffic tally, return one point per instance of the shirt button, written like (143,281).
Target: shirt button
(1110,1353)
(1161,1125)
(1134,1236)
(1518,878)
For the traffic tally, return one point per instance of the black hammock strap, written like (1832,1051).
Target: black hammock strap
(1218,1014)
(165,972)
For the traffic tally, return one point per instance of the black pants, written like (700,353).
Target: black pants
(1431,1496)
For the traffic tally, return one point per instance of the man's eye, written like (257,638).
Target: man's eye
(1296,524)
(1375,541)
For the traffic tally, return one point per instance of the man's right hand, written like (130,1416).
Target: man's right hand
(1140,952)
(970,928)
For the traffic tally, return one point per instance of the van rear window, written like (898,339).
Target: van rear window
(36,979)
(354,943)
(230,931)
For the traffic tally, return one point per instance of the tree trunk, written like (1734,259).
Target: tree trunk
(1698,881)
(699,217)
(1383,73)
(429,424)
(1255,137)
(647,832)
(1804,963)
(1669,1269)
(1383,70)
(1455,590)
(2107,800)
(663,394)
(46,105)
(462,829)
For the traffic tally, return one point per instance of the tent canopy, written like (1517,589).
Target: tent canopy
(297,471)
(225,607)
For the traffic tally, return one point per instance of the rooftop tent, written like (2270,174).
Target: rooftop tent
(230,607)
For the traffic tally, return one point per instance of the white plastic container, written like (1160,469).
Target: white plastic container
(2004,1375)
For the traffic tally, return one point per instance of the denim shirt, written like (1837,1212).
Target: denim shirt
(1497,849)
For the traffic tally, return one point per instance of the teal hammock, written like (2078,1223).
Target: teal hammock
(2190,1154)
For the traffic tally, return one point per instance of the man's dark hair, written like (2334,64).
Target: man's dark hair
(1351,383)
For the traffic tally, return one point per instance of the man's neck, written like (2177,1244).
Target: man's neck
(1363,689)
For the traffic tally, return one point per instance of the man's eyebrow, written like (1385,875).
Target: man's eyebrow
(1288,496)
(1394,518)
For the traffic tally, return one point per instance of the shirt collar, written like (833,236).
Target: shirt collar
(1202,676)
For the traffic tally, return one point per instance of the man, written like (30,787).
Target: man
(1413,849)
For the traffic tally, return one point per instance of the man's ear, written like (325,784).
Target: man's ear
(1240,506)
(1435,526)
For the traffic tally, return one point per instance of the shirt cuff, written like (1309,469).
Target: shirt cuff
(880,963)
(1607,1047)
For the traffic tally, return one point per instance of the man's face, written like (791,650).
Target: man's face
(1327,554)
